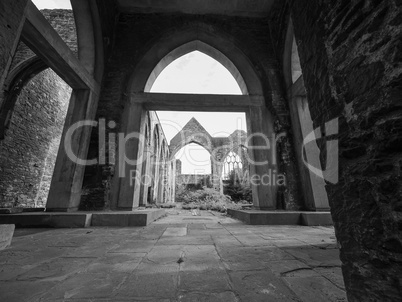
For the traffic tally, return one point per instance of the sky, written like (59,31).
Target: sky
(51,4)
(198,73)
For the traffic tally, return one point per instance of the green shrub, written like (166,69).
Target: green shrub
(238,186)
(205,199)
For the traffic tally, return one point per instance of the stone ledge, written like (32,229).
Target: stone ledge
(20,210)
(127,218)
(258,217)
(55,220)
(316,218)
(6,235)
(83,219)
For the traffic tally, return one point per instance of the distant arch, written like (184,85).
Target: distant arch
(186,142)
(191,163)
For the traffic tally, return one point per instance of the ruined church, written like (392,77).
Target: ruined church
(82,151)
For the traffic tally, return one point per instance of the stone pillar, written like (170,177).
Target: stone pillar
(157,176)
(312,152)
(216,173)
(350,54)
(263,167)
(132,149)
(148,173)
(161,183)
(141,155)
(173,175)
(11,21)
(315,195)
(145,176)
(66,185)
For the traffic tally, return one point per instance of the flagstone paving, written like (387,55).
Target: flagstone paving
(178,258)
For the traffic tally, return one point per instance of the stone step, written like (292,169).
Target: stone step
(48,219)
(20,210)
(82,219)
(259,217)
(127,218)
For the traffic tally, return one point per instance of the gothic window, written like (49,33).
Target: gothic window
(232,162)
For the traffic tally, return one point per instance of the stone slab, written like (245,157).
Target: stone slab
(20,210)
(259,217)
(174,232)
(6,235)
(10,210)
(316,218)
(248,263)
(33,210)
(127,218)
(55,220)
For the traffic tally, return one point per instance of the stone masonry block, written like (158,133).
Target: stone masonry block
(6,235)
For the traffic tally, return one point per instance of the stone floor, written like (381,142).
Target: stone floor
(178,258)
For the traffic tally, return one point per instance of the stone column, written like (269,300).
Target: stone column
(156,176)
(312,152)
(144,176)
(148,173)
(66,186)
(315,195)
(263,167)
(130,149)
(141,155)
(161,180)
(352,73)
(216,173)
(173,175)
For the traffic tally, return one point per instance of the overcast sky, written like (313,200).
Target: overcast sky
(51,4)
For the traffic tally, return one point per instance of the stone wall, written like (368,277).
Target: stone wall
(193,180)
(350,54)
(178,166)
(97,188)
(28,152)
(29,149)
(62,20)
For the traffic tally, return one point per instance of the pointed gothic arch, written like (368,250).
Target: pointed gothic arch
(175,44)
(204,48)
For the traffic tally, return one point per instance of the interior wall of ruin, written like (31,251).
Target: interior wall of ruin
(350,54)
(154,176)
(135,35)
(29,149)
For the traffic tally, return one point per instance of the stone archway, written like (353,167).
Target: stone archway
(174,44)
(259,118)
(204,48)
